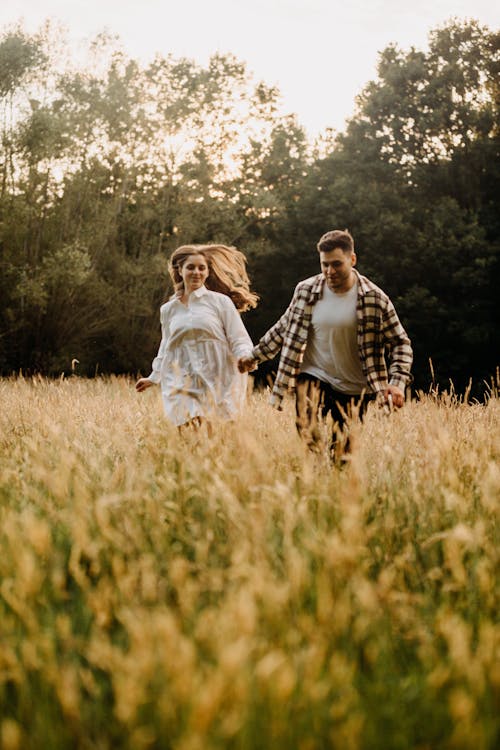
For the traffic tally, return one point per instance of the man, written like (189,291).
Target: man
(342,344)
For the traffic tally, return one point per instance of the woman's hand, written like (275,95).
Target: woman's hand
(245,364)
(142,384)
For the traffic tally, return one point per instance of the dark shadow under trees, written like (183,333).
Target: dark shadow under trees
(105,170)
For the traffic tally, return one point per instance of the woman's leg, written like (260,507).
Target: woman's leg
(195,425)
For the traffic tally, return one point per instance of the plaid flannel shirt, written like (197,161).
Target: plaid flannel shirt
(380,333)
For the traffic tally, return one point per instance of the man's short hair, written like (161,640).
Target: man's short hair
(336,238)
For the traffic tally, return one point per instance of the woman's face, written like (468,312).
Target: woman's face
(194,272)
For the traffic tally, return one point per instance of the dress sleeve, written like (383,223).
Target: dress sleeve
(238,340)
(155,375)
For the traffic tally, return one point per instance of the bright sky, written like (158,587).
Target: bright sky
(319,53)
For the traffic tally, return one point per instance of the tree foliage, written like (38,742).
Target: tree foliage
(106,168)
(416,179)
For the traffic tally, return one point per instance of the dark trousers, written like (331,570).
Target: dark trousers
(314,400)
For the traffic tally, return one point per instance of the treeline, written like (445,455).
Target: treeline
(105,168)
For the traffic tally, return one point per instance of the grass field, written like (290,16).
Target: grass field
(193,594)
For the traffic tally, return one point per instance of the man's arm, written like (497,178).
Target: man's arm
(267,348)
(400,355)
(272,341)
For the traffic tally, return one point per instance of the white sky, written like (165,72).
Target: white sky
(320,53)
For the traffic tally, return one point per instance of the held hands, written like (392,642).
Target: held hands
(394,394)
(246,364)
(142,384)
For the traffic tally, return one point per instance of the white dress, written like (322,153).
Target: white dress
(196,362)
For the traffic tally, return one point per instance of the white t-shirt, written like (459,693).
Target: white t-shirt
(332,349)
(196,362)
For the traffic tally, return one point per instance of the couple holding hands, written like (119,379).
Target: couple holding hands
(340,341)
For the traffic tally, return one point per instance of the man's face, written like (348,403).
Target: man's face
(337,269)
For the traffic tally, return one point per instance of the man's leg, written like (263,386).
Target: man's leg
(338,406)
(308,401)
(343,408)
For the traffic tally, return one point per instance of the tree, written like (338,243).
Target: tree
(113,165)
(414,177)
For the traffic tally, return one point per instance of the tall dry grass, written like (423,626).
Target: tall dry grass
(236,592)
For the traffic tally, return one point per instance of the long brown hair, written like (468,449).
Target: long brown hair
(227,272)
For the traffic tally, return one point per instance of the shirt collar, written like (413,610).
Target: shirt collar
(317,287)
(196,293)
(200,292)
(363,286)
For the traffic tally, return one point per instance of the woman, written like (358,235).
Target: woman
(203,335)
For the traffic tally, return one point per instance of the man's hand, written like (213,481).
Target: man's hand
(245,364)
(396,394)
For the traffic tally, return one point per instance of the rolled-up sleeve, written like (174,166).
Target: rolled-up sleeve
(399,348)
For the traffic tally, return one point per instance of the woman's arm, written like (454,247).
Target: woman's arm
(237,336)
(155,375)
